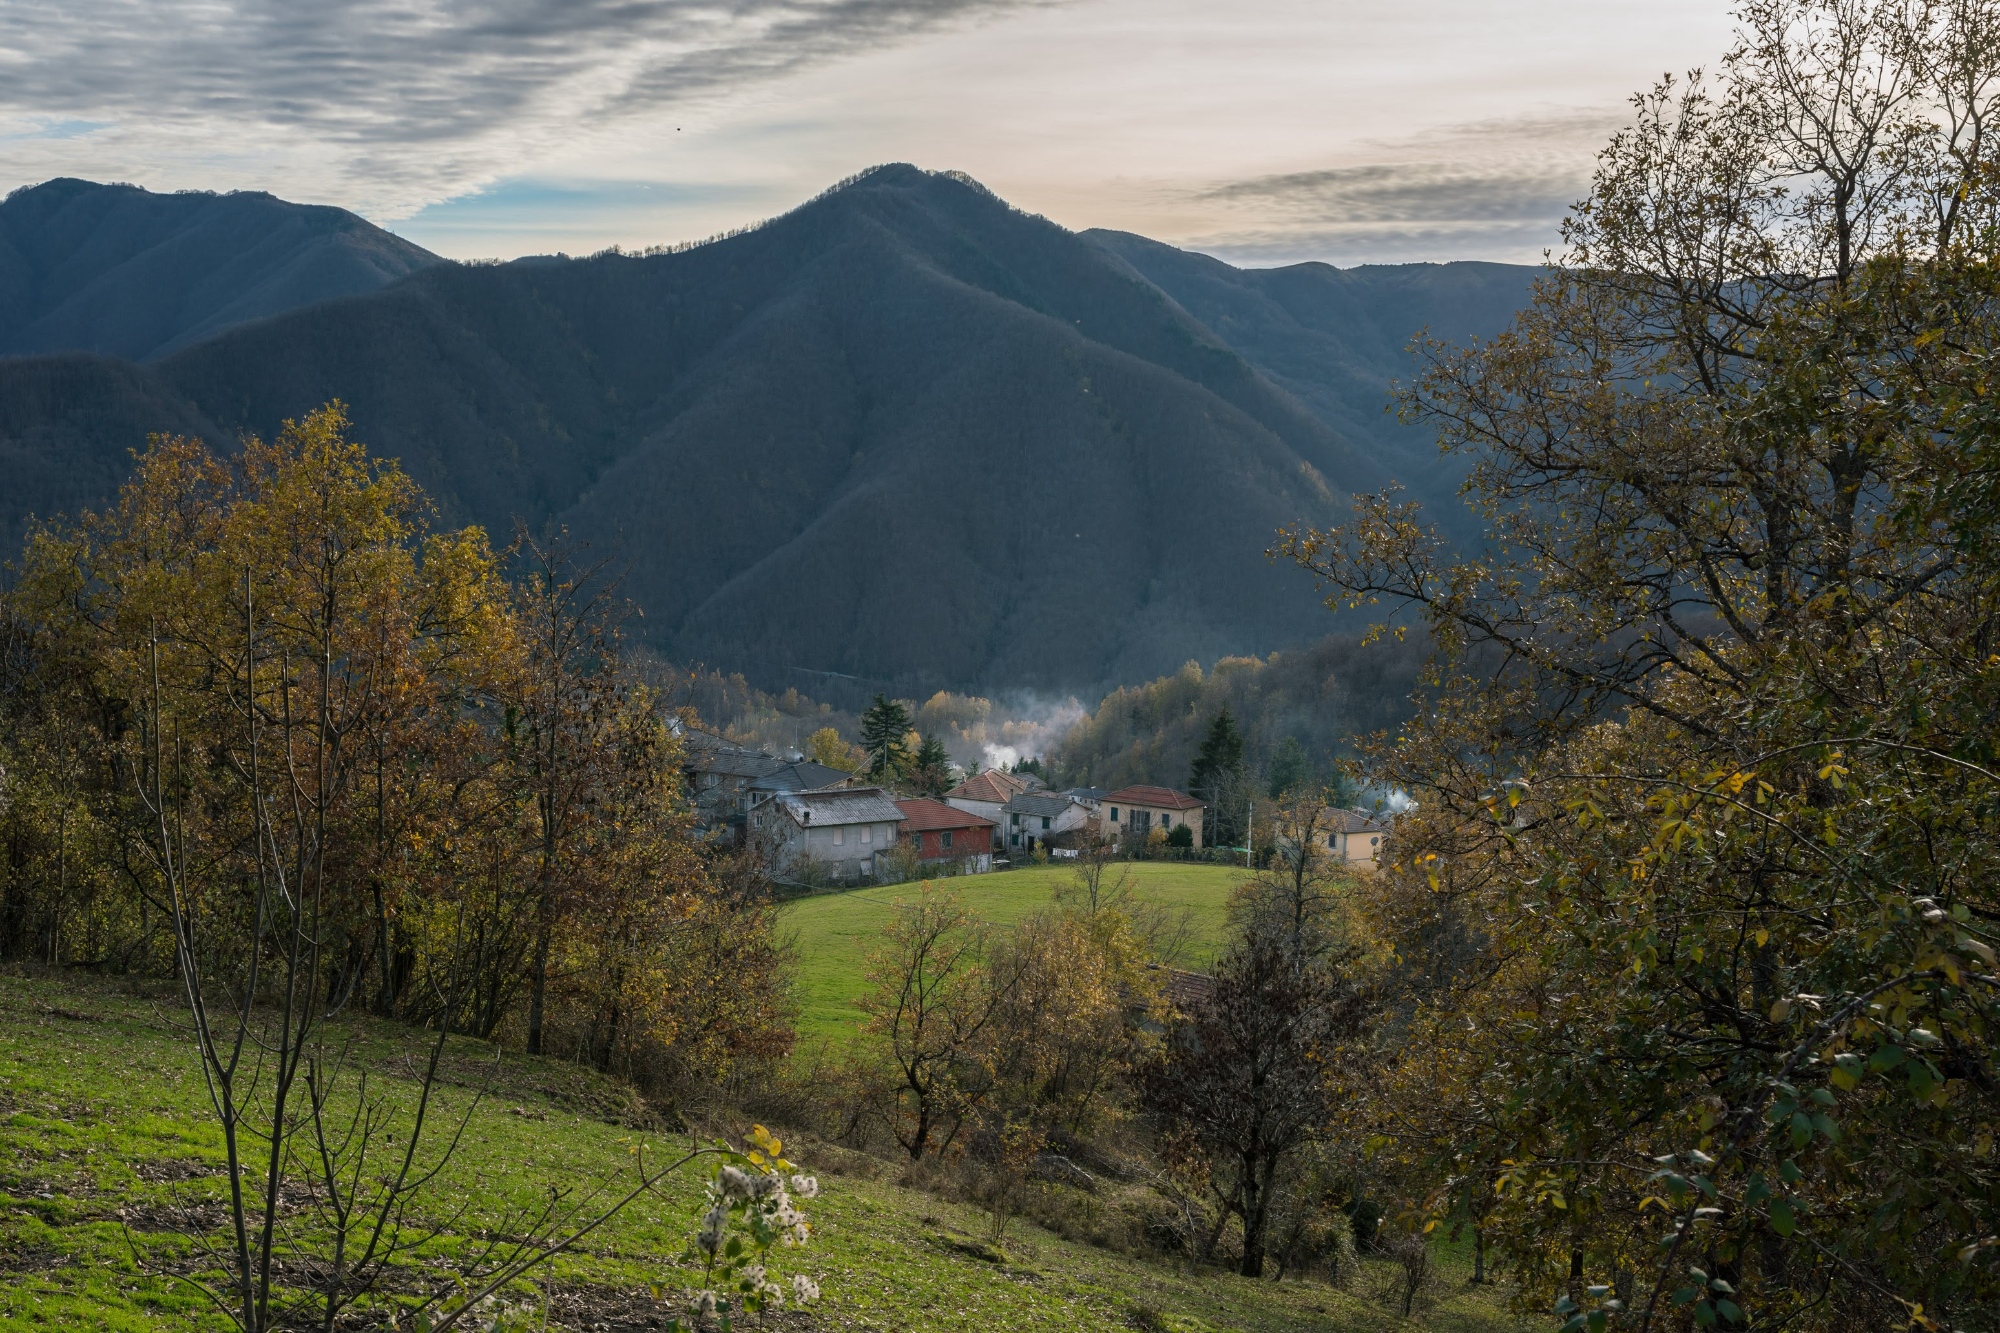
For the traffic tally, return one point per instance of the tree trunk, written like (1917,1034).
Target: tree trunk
(1256,1199)
(538,985)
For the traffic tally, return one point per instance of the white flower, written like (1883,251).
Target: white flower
(764,1185)
(709,1239)
(734,1183)
(804,1289)
(701,1304)
(806,1187)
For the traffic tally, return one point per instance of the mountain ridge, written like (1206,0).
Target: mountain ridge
(904,431)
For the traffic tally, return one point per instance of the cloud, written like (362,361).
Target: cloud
(392,104)
(1493,188)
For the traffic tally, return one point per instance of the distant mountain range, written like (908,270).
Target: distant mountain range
(904,433)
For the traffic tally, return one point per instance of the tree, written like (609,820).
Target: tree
(1243,1074)
(930,771)
(884,726)
(932,999)
(1217,777)
(1294,897)
(1697,904)
(1290,769)
(826,747)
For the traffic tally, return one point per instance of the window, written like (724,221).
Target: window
(1114,814)
(1017,822)
(867,834)
(1166,821)
(944,840)
(837,838)
(1045,821)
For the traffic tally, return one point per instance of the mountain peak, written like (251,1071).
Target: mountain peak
(123,270)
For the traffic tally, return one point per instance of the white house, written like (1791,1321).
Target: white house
(838,831)
(1031,819)
(986,795)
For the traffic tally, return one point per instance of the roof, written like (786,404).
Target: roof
(802,775)
(1185,990)
(732,762)
(1088,795)
(920,813)
(1159,798)
(1356,821)
(1046,804)
(992,785)
(845,805)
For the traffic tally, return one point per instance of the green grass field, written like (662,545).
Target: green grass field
(837,932)
(102,1126)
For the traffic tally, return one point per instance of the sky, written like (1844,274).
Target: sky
(1261,131)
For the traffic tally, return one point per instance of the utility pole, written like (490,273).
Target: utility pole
(1249,829)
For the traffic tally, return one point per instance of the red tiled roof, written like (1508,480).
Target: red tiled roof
(992,785)
(920,814)
(1159,798)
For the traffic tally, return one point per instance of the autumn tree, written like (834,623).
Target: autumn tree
(826,747)
(1245,1076)
(933,997)
(1694,922)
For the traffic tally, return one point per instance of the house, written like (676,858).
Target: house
(1032,819)
(1134,812)
(835,834)
(1354,836)
(725,779)
(794,774)
(940,832)
(986,795)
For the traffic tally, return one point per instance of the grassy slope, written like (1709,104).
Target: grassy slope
(838,931)
(100,1105)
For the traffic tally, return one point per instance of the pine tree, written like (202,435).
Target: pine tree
(883,727)
(1217,775)
(930,774)
(1289,768)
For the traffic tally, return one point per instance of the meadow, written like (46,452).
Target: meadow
(103,1130)
(835,934)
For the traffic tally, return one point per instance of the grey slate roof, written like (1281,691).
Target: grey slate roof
(1046,804)
(804,775)
(847,805)
(1356,821)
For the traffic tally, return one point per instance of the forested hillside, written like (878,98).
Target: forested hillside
(123,271)
(905,433)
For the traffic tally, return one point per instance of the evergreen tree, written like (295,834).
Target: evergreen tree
(930,775)
(1290,768)
(883,727)
(1217,775)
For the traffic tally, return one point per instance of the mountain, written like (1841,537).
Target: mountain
(119,270)
(1337,339)
(905,433)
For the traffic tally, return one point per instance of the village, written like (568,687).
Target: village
(814,824)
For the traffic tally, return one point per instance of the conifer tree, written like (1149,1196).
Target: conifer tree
(883,728)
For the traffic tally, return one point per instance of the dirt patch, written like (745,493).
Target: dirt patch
(174,1170)
(34,1259)
(607,1310)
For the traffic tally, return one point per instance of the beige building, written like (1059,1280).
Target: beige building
(1353,836)
(1134,812)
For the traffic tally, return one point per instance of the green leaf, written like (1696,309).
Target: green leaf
(1827,1128)
(1822,1096)
(1886,1059)
(1758,1191)
(1802,1129)
(1788,1171)
(1729,1310)
(1704,1314)
(1783,1220)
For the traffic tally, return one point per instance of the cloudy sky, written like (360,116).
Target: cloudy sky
(1263,131)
